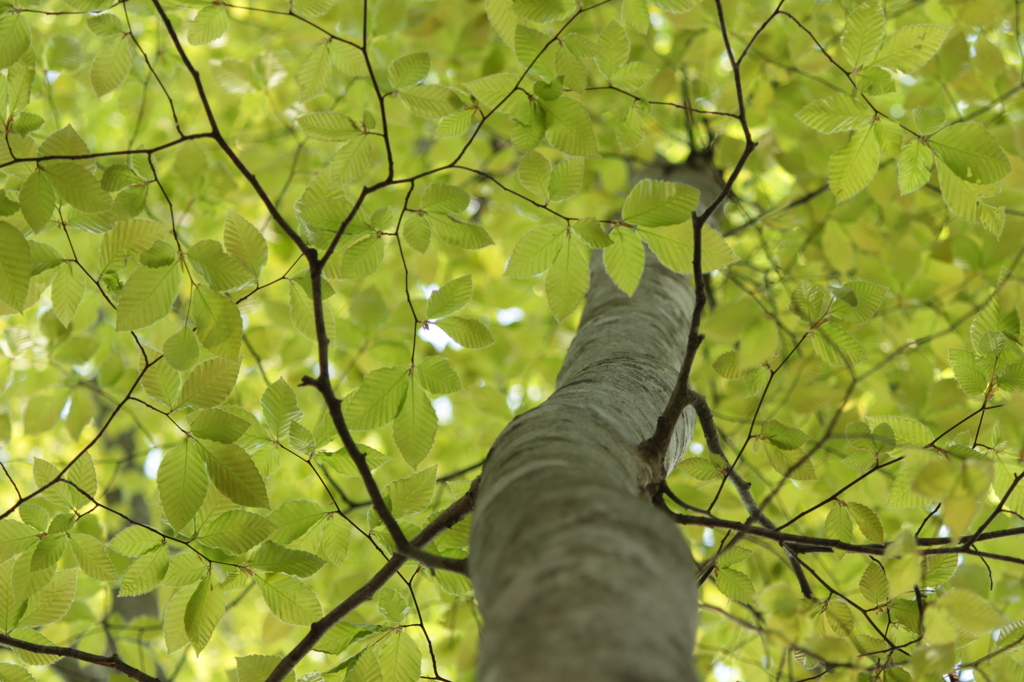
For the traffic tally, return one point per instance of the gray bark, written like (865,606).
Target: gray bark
(578,576)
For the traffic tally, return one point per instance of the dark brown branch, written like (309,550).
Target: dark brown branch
(445,520)
(113,662)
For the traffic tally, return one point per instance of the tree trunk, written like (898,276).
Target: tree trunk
(578,576)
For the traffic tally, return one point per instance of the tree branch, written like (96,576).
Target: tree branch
(113,662)
(443,521)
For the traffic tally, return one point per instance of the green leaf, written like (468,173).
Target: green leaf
(37,200)
(289,598)
(48,552)
(969,611)
(202,613)
(147,296)
(964,199)
(91,555)
(310,9)
(77,186)
(529,123)
(218,323)
(15,266)
(837,113)
(415,231)
(499,13)
(673,246)
(209,24)
(468,333)
(234,473)
(791,463)
(591,232)
(656,203)
(14,673)
(181,349)
(781,436)
(360,259)
(378,401)
(412,494)
(15,537)
(245,243)
(280,408)
(145,573)
(450,298)
(635,16)
(430,101)
(293,518)
(105,26)
(535,174)
(929,121)
(838,525)
(1011,377)
(436,376)
(865,28)
(456,124)
(415,426)
(634,75)
(221,271)
(542,12)
(701,468)
(335,540)
(409,69)
(66,292)
(185,569)
(876,81)
(906,431)
(236,531)
(614,48)
(209,384)
(914,165)
(910,48)
(457,233)
(256,668)
(399,658)
(314,72)
(836,347)
(734,584)
(567,179)
(851,168)
(182,481)
(52,601)
(536,251)
(491,90)
(867,297)
(440,198)
(867,521)
(333,127)
(161,382)
(873,584)
(110,68)
(218,425)
(727,365)
(567,280)
(971,152)
(675,6)
(571,130)
(131,237)
(274,558)
(15,38)
(624,259)
(135,541)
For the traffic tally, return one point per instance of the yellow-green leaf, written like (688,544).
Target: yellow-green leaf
(147,296)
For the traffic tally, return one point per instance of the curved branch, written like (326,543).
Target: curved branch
(113,662)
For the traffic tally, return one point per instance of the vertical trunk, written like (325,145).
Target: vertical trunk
(578,576)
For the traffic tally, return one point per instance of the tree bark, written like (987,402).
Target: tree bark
(578,575)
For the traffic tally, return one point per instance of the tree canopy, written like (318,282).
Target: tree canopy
(275,275)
